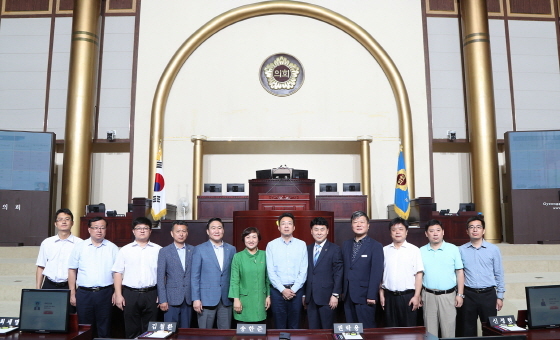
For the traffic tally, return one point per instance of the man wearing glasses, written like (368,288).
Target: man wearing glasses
(135,275)
(484,279)
(52,262)
(90,268)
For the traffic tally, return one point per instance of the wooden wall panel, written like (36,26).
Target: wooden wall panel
(495,7)
(442,5)
(120,6)
(19,7)
(531,7)
(65,5)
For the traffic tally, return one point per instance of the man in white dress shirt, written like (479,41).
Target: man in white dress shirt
(401,288)
(90,268)
(52,262)
(135,275)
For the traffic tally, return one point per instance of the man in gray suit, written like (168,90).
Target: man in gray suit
(211,268)
(174,277)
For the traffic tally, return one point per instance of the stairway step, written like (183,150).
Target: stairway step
(19,252)
(531,263)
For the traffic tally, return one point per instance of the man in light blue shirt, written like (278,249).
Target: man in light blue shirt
(286,263)
(89,267)
(484,279)
(443,282)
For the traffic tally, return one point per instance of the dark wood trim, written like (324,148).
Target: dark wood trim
(99,72)
(510,70)
(49,72)
(428,96)
(133,96)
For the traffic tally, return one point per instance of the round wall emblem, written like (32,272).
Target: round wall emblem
(281,74)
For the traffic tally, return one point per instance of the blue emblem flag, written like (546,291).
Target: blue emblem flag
(402,200)
(158,200)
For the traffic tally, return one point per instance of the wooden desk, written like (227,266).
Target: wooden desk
(408,333)
(84,332)
(280,186)
(283,202)
(341,205)
(532,334)
(221,206)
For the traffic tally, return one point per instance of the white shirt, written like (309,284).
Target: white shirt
(53,256)
(94,264)
(138,265)
(219,251)
(401,266)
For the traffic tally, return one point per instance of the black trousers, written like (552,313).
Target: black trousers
(94,308)
(397,311)
(140,308)
(48,284)
(475,305)
(319,316)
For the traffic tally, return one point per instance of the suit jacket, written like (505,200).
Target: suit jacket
(174,282)
(362,276)
(325,278)
(209,283)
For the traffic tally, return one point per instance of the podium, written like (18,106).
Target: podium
(281,186)
(286,202)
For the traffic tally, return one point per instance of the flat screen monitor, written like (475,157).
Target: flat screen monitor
(300,174)
(351,187)
(96,208)
(543,306)
(328,187)
(235,187)
(44,310)
(212,187)
(264,174)
(466,207)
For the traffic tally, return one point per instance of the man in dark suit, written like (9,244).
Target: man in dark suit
(211,270)
(174,277)
(324,277)
(363,271)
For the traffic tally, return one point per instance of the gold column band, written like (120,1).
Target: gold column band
(482,117)
(365,164)
(198,154)
(80,108)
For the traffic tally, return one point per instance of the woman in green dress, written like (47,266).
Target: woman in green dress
(249,286)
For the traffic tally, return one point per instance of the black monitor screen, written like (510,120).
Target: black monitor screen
(212,187)
(328,187)
(235,187)
(543,306)
(44,310)
(466,207)
(351,187)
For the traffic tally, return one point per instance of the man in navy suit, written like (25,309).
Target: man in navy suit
(324,277)
(363,272)
(211,269)
(174,277)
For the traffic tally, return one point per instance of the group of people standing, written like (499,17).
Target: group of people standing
(217,283)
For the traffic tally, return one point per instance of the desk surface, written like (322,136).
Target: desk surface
(404,333)
(532,334)
(84,332)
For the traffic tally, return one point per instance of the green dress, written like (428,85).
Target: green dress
(249,282)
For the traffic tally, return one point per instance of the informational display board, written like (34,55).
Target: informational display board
(532,186)
(26,179)
(534,159)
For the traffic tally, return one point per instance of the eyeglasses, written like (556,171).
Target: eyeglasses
(474,227)
(67,219)
(142,228)
(98,228)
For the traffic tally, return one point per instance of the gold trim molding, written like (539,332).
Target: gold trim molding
(531,15)
(4,12)
(290,8)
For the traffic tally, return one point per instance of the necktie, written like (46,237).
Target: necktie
(317,252)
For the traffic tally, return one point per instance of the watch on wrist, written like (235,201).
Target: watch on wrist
(336,295)
(461,295)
